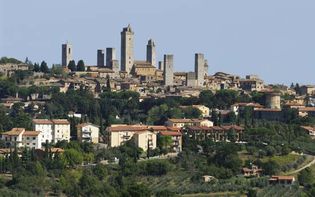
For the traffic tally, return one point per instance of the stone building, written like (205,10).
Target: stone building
(200,69)
(168,70)
(127,49)
(191,80)
(110,58)
(151,53)
(100,58)
(66,55)
(273,100)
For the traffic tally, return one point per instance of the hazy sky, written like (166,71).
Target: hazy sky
(271,38)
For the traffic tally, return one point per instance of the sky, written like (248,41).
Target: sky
(274,39)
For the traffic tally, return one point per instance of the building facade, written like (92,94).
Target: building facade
(52,130)
(88,132)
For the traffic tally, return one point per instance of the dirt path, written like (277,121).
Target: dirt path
(303,167)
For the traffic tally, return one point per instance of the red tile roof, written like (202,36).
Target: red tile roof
(170,133)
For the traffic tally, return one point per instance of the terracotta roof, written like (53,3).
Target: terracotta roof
(31,133)
(86,124)
(307,109)
(170,133)
(60,121)
(184,120)
(127,128)
(14,132)
(42,121)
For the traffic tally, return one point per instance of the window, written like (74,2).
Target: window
(27,138)
(27,143)
(34,144)
(34,138)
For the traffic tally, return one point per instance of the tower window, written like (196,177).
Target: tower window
(69,50)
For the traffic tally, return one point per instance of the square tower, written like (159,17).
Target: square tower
(200,69)
(110,57)
(151,52)
(66,54)
(127,49)
(168,70)
(100,58)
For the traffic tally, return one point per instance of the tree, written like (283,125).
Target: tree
(80,66)
(43,67)
(72,66)
(305,177)
(73,157)
(36,67)
(192,112)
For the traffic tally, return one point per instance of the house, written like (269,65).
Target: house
(145,140)
(87,132)
(141,134)
(176,137)
(52,130)
(214,133)
(310,130)
(307,90)
(203,109)
(282,180)
(19,137)
(253,171)
(188,122)
(251,83)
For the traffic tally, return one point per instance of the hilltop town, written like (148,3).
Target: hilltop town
(127,127)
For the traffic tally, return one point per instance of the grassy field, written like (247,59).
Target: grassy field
(282,160)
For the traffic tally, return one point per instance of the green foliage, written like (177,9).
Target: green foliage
(305,177)
(73,157)
(43,67)
(72,66)
(80,66)
(6,60)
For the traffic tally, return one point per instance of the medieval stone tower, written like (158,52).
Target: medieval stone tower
(66,54)
(151,53)
(100,58)
(110,57)
(200,69)
(127,49)
(168,70)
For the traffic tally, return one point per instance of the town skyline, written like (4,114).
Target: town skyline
(230,44)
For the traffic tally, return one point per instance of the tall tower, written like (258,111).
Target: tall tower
(168,70)
(127,54)
(100,58)
(66,54)
(110,56)
(151,53)
(200,69)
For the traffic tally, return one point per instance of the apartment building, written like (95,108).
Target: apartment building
(19,137)
(53,130)
(87,132)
